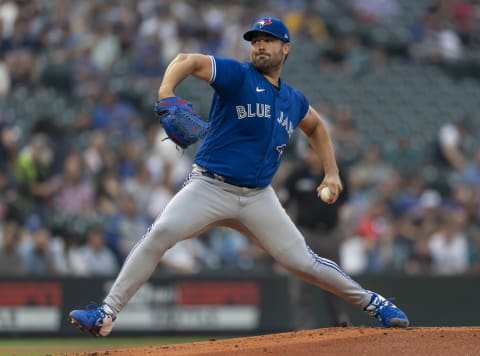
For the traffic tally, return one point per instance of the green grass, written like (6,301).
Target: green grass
(66,346)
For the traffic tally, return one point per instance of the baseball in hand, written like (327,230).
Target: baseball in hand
(325,194)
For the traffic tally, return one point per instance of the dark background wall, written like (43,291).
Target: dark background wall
(247,304)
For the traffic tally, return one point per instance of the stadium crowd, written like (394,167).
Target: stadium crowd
(84,173)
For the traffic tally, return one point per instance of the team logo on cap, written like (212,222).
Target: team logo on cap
(264,22)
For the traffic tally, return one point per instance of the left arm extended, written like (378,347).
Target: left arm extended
(314,127)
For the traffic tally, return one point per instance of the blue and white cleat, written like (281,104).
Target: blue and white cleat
(386,312)
(96,319)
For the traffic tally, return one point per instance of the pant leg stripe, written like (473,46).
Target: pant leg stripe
(329,263)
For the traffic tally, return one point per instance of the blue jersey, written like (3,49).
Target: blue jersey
(251,122)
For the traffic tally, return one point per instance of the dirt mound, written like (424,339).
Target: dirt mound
(359,341)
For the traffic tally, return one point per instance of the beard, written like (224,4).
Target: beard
(265,62)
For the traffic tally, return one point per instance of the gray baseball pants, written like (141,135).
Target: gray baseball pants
(257,213)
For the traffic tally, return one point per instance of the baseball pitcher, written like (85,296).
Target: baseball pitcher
(253,115)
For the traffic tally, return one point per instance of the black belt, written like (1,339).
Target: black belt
(220,178)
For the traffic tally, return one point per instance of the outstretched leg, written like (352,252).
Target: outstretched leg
(274,230)
(198,206)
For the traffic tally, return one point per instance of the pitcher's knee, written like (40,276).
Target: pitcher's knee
(161,236)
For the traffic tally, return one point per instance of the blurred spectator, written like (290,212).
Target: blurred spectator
(347,138)
(76,265)
(376,230)
(106,46)
(43,254)
(35,178)
(97,152)
(21,66)
(421,260)
(374,11)
(84,72)
(450,145)
(410,252)
(407,199)
(131,155)
(5,81)
(8,14)
(370,171)
(344,54)
(426,220)
(471,171)
(93,258)
(435,39)
(465,23)
(148,66)
(356,55)
(307,24)
(353,250)
(332,56)
(161,26)
(21,38)
(113,113)
(109,190)
(464,197)
(162,192)
(403,243)
(9,144)
(76,194)
(11,263)
(449,245)
(404,155)
(58,138)
(140,187)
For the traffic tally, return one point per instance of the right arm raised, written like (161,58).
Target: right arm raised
(183,65)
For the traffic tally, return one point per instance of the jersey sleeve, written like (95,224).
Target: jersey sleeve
(227,75)
(304,105)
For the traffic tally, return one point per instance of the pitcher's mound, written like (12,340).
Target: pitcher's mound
(358,341)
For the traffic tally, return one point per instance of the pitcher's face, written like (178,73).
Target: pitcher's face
(267,52)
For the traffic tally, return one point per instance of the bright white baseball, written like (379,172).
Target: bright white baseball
(325,194)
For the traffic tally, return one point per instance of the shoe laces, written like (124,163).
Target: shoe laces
(94,306)
(379,306)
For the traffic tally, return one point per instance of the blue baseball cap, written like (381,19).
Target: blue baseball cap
(271,26)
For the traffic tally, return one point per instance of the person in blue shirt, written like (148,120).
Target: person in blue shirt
(253,115)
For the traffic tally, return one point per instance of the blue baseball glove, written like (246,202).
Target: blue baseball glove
(181,124)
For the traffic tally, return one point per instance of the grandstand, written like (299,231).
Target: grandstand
(57,72)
